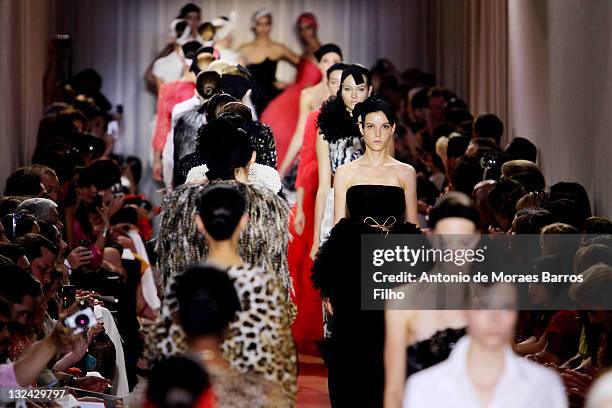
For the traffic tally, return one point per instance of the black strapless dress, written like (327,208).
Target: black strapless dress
(264,75)
(434,350)
(354,351)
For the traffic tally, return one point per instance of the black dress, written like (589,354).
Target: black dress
(264,75)
(431,351)
(354,351)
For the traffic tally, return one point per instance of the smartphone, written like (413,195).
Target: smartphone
(68,295)
(85,243)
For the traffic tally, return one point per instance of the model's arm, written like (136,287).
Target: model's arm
(410,194)
(298,137)
(325,175)
(396,342)
(341,184)
(290,56)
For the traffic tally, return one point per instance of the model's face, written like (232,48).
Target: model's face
(333,82)
(193,19)
(492,329)
(377,131)
(263,26)
(327,61)
(352,93)
(307,32)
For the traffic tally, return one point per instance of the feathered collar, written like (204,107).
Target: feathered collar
(335,122)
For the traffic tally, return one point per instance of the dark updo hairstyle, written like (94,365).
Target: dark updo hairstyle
(358,72)
(18,224)
(236,112)
(207,301)
(221,207)
(454,204)
(23,182)
(207,84)
(224,148)
(374,104)
(177,373)
(504,196)
(214,104)
(338,66)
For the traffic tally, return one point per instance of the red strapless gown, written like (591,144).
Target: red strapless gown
(308,325)
(282,113)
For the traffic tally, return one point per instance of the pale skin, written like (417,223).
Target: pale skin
(406,327)
(333,84)
(351,93)
(310,99)
(263,47)
(376,167)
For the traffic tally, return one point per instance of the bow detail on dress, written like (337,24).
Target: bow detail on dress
(385,226)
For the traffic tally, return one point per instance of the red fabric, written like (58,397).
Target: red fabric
(170,94)
(308,325)
(564,322)
(283,112)
(307,174)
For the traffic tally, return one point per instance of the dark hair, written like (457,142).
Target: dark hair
(338,66)
(531,179)
(504,196)
(454,204)
(105,173)
(33,244)
(236,110)
(23,182)
(207,301)
(223,148)
(11,251)
(17,283)
(574,191)
(62,164)
(221,207)
(532,220)
(5,308)
(590,255)
(215,103)
(188,8)
(420,99)
(467,174)
(457,145)
(50,232)
(326,49)
(176,373)
(235,85)
(207,78)
(374,104)
(597,225)
(357,72)
(489,125)
(127,215)
(521,148)
(566,211)
(457,116)
(9,205)
(18,224)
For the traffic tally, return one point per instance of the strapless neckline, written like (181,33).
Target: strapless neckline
(381,186)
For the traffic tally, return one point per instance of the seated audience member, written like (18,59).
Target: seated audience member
(467,174)
(502,200)
(49,180)
(23,372)
(531,220)
(15,253)
(41,254)
(179,382)
(490,126)
(482,369)
(575,192)
(24,182)
(533,199)
(18,224)
(42,209)
(521,149)
(526,173)
(597,225)
(590,255)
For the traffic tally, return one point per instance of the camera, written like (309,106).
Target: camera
(81,321)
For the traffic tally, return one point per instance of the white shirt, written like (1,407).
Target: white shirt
(168,68)
(523,384)
(179,110)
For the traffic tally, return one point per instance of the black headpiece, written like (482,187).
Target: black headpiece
(325,49)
